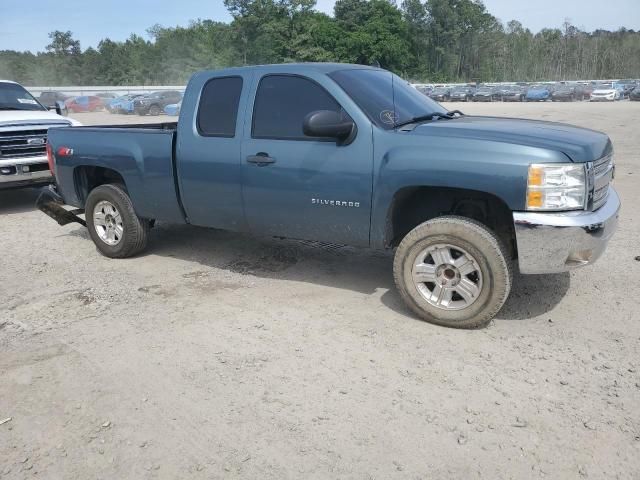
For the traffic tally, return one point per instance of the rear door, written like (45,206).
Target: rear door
(208,150)
(310,188)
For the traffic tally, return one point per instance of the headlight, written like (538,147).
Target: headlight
(557,186)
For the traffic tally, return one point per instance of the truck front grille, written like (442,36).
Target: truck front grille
(24,143)
(602,175)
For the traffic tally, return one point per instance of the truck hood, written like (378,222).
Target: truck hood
(23,117)
(579,144)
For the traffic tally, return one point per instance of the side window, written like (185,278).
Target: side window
(218,108)
(283,101)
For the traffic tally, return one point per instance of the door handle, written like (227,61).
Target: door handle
(261,159)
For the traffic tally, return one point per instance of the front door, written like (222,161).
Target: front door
(297,186)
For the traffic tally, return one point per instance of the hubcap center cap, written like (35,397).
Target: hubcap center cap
(447,275)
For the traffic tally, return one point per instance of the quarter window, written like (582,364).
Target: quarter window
(282,103)
(218,110)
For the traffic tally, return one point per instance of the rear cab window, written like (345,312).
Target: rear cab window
(218,109)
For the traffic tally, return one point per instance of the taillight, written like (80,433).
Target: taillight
(50,159)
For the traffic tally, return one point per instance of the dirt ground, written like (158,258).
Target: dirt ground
(218,355)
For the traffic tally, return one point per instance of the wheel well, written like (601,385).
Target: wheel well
(86,178)
(412,206)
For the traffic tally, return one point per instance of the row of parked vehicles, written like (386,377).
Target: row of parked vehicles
(154,103)
(560,92)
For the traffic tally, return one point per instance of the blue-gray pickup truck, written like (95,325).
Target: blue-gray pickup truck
(353,155)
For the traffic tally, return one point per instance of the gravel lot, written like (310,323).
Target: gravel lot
(218,355)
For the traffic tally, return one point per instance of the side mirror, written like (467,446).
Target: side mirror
(329,124)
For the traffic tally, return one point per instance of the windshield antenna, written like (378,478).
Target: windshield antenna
(393,99)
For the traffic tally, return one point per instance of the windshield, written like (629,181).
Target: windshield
(441,90)
(15,97)
(384,97)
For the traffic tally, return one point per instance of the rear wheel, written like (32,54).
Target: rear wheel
(453,271)
(154,110)
(113,224)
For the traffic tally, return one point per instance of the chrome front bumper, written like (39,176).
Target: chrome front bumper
(557,242)
(19,171)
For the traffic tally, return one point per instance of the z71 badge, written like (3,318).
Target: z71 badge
(334,203)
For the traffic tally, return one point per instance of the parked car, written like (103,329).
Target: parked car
(107,96)
(627,86)
(587,89)
(484,94)
(84,104)
(173,110)
(605,92)
(511,93)
(441,94)
(462,94)
(635,94)
(538,93)
(24,123)
(424,89)
(291,150)
(123,104)
(567,93)
(52,99)
(154,103)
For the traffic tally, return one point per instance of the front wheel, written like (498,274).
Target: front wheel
(453,271)
(113,224)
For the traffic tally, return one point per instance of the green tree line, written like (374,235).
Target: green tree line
(432,40)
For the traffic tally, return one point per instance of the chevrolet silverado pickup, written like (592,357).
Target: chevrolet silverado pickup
(23,135)
(352,155)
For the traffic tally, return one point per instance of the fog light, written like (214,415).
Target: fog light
(25,169)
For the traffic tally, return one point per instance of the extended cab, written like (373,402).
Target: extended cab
(354,155)
(24,123)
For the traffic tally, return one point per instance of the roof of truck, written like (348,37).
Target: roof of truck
(301,67)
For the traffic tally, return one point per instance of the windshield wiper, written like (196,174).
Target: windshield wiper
(430,116)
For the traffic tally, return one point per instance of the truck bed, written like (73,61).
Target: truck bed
(142,155)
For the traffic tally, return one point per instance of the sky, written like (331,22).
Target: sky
(24,24)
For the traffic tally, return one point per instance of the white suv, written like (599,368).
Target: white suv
(23,136)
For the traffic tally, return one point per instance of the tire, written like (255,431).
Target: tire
(492,275)
(154,110)
(135,230)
